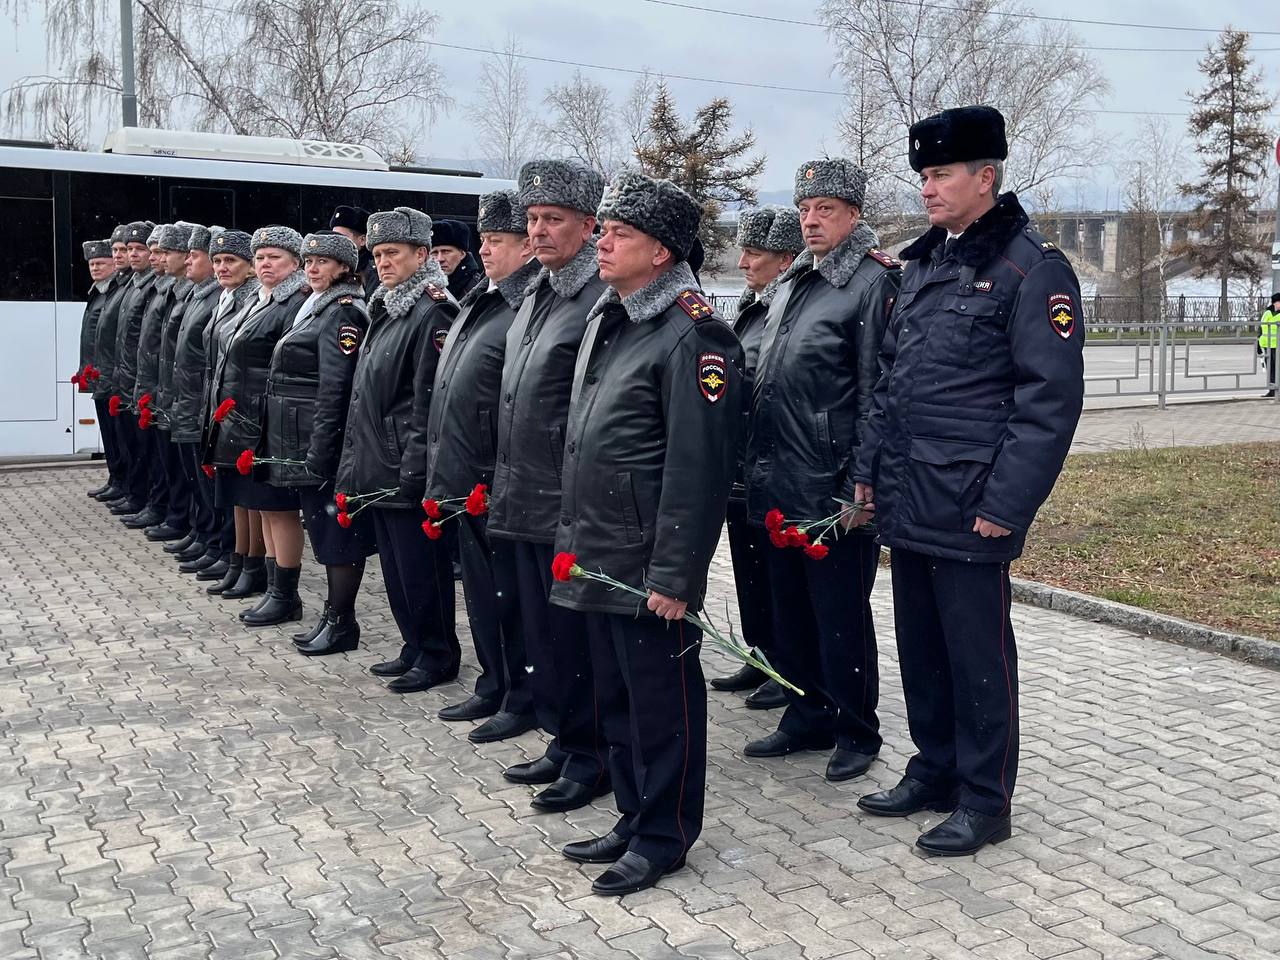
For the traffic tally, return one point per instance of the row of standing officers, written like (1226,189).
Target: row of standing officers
(584,401)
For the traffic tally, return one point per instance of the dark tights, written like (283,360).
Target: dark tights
(344,584)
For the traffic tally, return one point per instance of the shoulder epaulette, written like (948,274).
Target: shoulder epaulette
(435,293)
(346,301)
(882,258)
(693,303)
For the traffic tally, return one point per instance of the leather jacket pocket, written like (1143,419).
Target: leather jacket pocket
(822,434)
(486,435)
(555,442)
(628,510)
(947,477)
(390,439)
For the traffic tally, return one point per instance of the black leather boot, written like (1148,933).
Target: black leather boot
(230,577)
(252,580)
(282,604)
(341,634)
(270,563)
(301,639)
(216,571)
(202,562)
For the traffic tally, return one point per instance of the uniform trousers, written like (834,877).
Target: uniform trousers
(110,445)
(157,474)
(959,668)
(419,581)
(653,706)
(205,521)
(826,642)
(558,655)
(494,626)
(178,490)
(749,550)
(138,449)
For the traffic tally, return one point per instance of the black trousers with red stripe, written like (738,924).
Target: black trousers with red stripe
(653,708)
(959,674)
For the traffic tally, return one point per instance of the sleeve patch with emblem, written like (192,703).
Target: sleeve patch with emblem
(692,303)
(439,337)
(1062,315)
(348,339)
(713,377)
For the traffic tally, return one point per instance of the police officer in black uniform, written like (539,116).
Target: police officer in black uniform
(982,386)
(769,239)
(97,254)
(135,512)
(652,447)
(812,392)
(461,453)
(352,222)
(104,353)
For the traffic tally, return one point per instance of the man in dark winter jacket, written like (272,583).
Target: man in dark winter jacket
(451,248)
(97,254)
(561,197)
(352,222)
(812,391)
(770,239)
(104,352)
(982,386)
(461,454)
(652,449)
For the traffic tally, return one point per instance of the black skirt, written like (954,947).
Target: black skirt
(254,495)
(333,544)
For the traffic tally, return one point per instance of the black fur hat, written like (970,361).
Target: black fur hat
(953,136)
(353,218)
(657,207)
(502,212)
(451,233)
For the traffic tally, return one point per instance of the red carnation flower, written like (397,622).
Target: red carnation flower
(796,537)
(224,408)
(244,462)
(773,520)
(816,551)
(208,470)
(778,540)
(75,379)
(113,405)
(144,401)
(433,530)
(344,519)
(432,508)
(478,500)
(94,373)
(341,500)
(144,418)
(562,566)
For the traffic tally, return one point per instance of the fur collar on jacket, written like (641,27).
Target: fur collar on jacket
(399,300)
(181,287)
(352,290)
(163,284)
(838,266)
(651,299)
(765,296)
(573,276)
(984,239)
(511,287)
(287,287)
(140,280)
(203,290)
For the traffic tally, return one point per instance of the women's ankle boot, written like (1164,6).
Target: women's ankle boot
(270,564)
(252,581)
(234,566)
(340,635)
(303,638)
(282,602)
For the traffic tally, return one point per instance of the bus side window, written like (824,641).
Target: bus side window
(26,250)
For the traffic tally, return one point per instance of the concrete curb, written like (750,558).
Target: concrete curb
(1253,649)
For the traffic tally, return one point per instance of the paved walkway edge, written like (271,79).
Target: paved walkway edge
(1253,649)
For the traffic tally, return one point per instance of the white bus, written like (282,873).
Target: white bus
(53,200)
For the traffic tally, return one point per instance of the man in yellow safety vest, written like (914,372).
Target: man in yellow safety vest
(1268,341)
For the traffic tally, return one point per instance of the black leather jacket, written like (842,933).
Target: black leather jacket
(652,446)
(537,376)
(815,379)
(186,395)
(128,329)
(150,335)
(181,293)
(217,334)
(748,325)
(386,438)
(242,369)
(104,347)
(97,299)
(463,426)
(309,386)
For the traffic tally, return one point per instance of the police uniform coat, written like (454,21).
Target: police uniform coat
(981,388)
(128,329)
(150,335)
(243,364)
(186,396)
(815,376)
(748,326)
(652,445)
(104,347)
(98,296)
(537,375)
(181,294)
(309,386)
(385,446)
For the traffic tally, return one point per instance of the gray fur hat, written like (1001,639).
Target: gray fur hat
(138,231)
(401,225)
(326,243)
(771,228)
(561,183)
(200,237)
(120,234)
(282,238)
(96,249)
(235,242)
(153,238)
(502,212)
(173,236)
(839,178)
(658,207)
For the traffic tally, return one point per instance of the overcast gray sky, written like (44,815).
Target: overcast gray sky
(790,127)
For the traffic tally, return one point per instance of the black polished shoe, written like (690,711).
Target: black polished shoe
(534,773)
(193,551)
(391,668)
(306,636)
(113,497)
(179,545)
(847,764)
(779,744)
(282,603)
(475,707)
(503,726)
(420,678)
(341,634)
(908,797)
(965,831)
(215,571)
(100,490)
(569,795)
(202,562)
(604,849)
(631,874)
(768,696)
(746,677)
(140,521)
(108,492)
(127,508)
(162,533)
(235,567)
(251,582)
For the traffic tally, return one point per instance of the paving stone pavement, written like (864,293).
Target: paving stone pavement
(1178,425)
(175,787)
